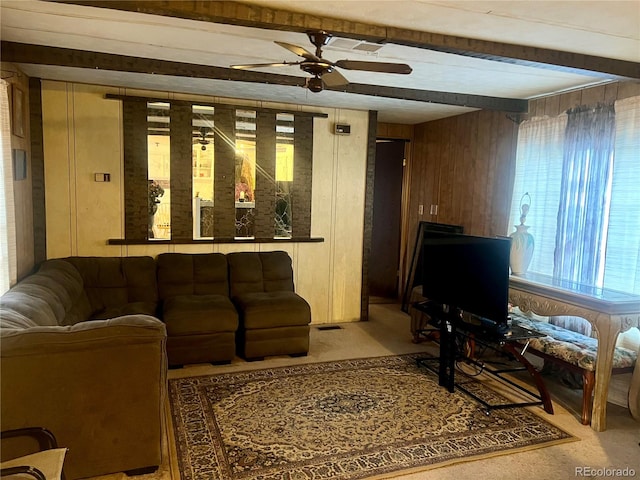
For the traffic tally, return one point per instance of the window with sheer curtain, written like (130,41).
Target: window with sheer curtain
(7,222)
(585,195)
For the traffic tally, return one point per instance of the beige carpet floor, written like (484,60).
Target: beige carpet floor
(387,333)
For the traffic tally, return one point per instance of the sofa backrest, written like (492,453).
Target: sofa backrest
(251,272)
(52,296)
(192,274)
(115,281)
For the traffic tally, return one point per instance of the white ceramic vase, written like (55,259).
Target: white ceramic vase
(522,246)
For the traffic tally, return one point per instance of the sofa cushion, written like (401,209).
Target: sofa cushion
(31,302)
(115,281)
(277,272)
(251,272)
(245,273)
(192,274)
(194,314)
(66,283)
(272,309)
(133,308)
(52,296)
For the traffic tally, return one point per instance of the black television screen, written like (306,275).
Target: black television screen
(467,272)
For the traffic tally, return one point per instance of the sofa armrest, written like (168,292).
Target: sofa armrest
(83,336)
(99,386)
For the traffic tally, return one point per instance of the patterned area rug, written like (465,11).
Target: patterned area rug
(350,419)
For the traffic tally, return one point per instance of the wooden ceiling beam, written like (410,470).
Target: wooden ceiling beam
(513,105)
(259,16)
(67,57)
(22,53)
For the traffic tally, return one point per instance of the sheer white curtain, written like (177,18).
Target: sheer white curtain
(539,172)
(583,212)
(7,208)
(622,264)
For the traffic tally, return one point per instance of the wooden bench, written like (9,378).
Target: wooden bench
(574,352)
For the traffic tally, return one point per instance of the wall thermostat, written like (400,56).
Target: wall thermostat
(342,129)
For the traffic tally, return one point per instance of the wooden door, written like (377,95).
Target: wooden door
(387,208)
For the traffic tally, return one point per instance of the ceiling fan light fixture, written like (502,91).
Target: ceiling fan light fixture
(315,84)
(319,38)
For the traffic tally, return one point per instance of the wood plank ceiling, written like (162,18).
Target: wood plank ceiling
(264,17)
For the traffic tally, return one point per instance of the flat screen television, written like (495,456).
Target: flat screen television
(468,273)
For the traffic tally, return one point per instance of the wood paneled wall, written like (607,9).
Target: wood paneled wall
(464,165)
(556,104)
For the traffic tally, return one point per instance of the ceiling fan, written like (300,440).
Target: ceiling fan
(324,71)
(203,140)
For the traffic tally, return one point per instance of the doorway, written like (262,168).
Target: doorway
(386,224)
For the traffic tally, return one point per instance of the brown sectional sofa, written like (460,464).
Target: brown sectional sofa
(85,343)
(99,385)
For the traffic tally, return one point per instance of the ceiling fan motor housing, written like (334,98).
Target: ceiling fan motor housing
(316,68)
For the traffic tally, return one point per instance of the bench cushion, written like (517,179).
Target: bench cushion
(571,347)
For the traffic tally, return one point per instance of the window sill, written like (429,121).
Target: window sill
(204,241)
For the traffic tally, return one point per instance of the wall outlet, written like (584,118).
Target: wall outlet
(420,209)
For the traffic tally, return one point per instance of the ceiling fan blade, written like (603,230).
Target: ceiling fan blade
(381,67)
(334,79)
(258,65)
(299,51)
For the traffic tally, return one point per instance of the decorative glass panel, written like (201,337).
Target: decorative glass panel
(203,168)
(284,173)
(253,153)
(245,171)
(158,158)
